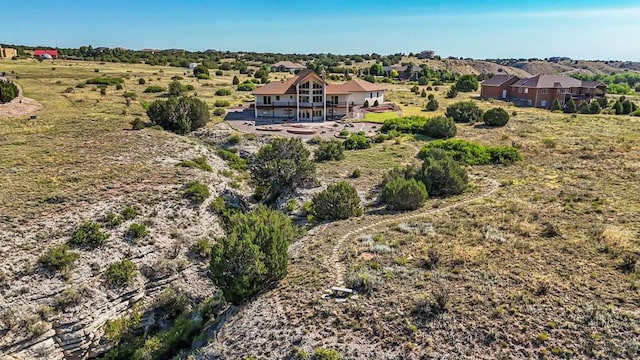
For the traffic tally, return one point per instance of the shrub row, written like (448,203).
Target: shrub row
(469,153)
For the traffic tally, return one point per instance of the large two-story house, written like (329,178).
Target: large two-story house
(308,97)
(541,90)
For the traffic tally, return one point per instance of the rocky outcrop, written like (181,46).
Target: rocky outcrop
(63,315)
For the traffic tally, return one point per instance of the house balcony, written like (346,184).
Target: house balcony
(302,105)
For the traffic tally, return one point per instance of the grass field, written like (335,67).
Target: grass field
(379,117)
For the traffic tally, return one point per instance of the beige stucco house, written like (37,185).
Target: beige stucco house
(7,53)
(308,97)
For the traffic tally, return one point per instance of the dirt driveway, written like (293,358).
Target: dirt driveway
(18,107)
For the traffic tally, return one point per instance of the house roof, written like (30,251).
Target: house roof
(40,52)
(288,65)
(548,81)
(288,86)
(355,85)
(498,80)
(593,84)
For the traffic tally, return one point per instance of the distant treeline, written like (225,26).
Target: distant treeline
(625,83)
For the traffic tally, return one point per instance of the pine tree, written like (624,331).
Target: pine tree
(236,81)
(555,106)
(571,107)
(617,107)
(594,107)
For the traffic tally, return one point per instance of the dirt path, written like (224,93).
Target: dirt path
(338,266)
(20,106)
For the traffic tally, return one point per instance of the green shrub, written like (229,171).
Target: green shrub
(422,80)
(440,127)
(196,191)
(155,89)
(120,273)
(119,87)
(366,104)
(112,219)
(338,201)
(464,112)
(233,160)
(355,174)
(137,124)
(503,154)
(221,103)
(406,124)
(137,231)
(376,103)
(555,105)
(107,81)
(197,163)
(235,81)
(469,153)
(356,142)
(103,91)
(496,117)
(219,73)
(246,86)
(253,254)
(423,93)
(432,105)
(180,115)
(594,107)
(130,95)
(88,235)
(234,139)
(570,107)
(223,92)
(141,81)
(404,194)
(219,112)
(442,176)
(452,93)
(203,248)
(201,70)
(329,150)
(58,258)
(325,354)
(129,212)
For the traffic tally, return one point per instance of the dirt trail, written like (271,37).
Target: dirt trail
(20,106)
(339,267)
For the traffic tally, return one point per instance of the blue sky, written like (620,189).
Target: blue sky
(583,29)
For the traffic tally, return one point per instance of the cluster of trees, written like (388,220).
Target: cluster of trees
(624,83)
(469,112)
(409,187)
(621,106)
(8,91)
(179,114)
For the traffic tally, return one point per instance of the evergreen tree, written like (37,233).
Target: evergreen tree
(617,107)
(432,105)
(594,107)
(570,107)
(236,81)
(555,106)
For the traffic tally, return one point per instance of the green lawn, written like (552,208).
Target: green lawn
(379,117)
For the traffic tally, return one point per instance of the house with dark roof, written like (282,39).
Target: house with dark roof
(286,66)
(307,96)
(541,90)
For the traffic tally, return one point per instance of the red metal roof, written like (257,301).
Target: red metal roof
(40,52)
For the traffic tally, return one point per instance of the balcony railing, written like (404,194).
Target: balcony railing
(293,104)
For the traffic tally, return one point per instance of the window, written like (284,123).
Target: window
(317,92)
(317,113)
(334,99)
(317,99)
(304,99)
(544,91)
(377,94)
(563,91)
(317,86)
(526,90)
(586,91)
(520,90)
(278,98)
(305,85)
(266,100)
(371,95)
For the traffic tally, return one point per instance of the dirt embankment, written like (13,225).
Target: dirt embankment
(20,106)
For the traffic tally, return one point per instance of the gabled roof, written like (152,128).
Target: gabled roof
(593,84)
(498,80)
(288,86)
(355,85)
(40,52)
(288,65)
(548,82)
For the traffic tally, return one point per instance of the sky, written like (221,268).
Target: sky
(585,29)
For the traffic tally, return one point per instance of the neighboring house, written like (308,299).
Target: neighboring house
(7,53)
(45,54)
(498,86)
(307,96)
(541,90)
(403,74)
(286,66)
